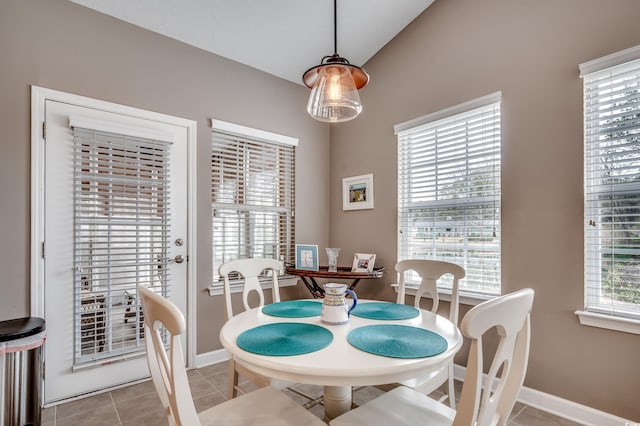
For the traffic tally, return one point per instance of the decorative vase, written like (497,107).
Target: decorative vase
(332,254)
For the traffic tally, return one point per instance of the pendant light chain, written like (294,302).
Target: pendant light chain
(335,27)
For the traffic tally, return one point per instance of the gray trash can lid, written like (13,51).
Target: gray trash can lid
(20,327)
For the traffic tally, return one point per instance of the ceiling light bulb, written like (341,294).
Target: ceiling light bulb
(334,87)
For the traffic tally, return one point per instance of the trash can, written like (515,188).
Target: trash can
(21,371)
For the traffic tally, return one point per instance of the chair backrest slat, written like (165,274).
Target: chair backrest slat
(491,402)
(430,271)
(166,366)
(250,269)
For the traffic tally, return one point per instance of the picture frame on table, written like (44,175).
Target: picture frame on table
(357,192)
(307,257)
(363,262)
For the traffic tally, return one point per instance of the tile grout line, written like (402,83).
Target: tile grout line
(515,416)
(115,408)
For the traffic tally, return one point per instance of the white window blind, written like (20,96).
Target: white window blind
(121,238)
(612,190)
(449,192)
(252,197)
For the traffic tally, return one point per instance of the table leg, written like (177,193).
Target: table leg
(354,284)
(337,401)
(316,291)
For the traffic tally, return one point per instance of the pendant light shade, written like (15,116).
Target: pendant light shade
(334,86)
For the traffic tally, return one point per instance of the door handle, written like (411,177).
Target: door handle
(178,259)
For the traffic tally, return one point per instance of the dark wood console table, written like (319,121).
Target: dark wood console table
(309,277)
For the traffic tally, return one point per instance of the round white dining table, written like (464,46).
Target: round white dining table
(339,366)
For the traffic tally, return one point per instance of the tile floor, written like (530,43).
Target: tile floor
(139,405)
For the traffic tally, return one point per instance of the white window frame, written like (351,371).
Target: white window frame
(435,120)
(594,313)
(262,136)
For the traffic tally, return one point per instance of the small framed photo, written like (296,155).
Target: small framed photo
(363,262)
(307,257)
(357,192)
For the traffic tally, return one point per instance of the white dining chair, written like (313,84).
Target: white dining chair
(265,406)
(430,271)
(250,270)
(479,405)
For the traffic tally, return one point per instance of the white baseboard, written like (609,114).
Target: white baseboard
(213,357)
(561,407)
(543,401)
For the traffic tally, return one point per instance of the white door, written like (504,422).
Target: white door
(115,217)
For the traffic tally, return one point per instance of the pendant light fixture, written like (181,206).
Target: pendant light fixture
(334,85)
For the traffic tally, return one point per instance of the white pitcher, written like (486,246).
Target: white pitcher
(335,310)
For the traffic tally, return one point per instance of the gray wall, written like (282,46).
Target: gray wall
(63,46)
(458,50)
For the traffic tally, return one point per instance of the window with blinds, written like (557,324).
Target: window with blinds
(612,188)
(121,238)
(449,191)
(252,195)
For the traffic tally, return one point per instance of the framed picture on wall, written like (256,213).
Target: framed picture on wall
(357,192)
(307,257)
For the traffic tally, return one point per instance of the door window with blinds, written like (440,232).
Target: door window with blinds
(252,195)
(612,186)
(449,191)
(120,237)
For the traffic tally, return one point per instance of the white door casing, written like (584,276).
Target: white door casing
(52,287)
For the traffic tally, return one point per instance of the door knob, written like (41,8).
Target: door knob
(179,258)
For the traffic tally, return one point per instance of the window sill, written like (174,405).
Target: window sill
(592,319)
(470,299)
(237,286)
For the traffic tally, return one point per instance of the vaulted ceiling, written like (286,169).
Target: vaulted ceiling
(280,37)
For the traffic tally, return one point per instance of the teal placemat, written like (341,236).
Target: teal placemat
(284,339)
(397,341)
(384,311)
(293,309)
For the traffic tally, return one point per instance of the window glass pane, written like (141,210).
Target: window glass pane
(612,190)
(449,195)
(121,238)
(252,199)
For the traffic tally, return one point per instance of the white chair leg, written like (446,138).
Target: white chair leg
(452,393)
